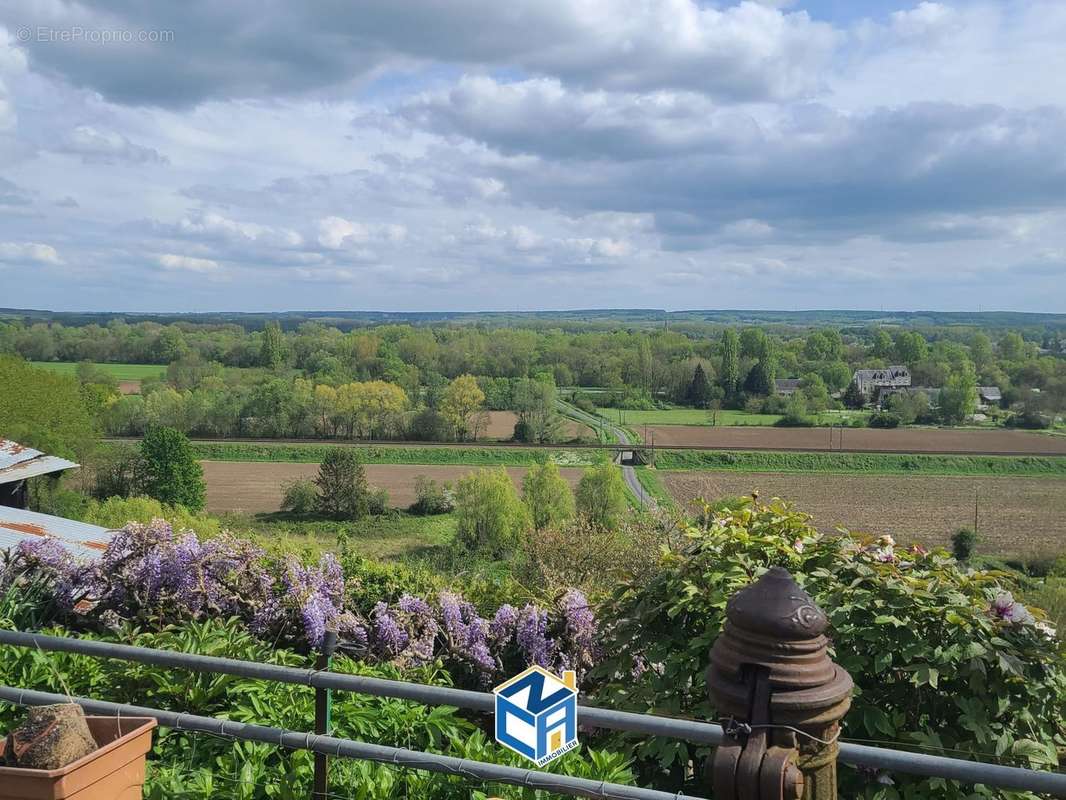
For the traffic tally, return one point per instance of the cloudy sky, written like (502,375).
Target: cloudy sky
(478,154)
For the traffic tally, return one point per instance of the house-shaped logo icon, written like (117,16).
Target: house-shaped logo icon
(536,714)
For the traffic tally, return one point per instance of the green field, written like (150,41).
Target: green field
(314,453)
(390,537)
(699,416)
(865,463)
(122,372)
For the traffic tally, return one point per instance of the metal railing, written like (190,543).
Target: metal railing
(1047,783)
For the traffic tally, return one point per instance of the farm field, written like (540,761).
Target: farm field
(1016,516)
(501,427)
(861,463)
(256,487)
(724,417)
(123,372)
(129,376)
(900,440)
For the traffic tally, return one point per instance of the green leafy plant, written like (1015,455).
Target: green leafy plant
(943,658)
(299,497)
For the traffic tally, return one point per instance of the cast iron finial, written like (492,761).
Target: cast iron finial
(776,606)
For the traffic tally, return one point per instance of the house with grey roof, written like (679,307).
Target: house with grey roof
(787,386)
(870,381)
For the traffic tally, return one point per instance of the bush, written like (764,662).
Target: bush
(601,495)
(429,425)
(432,497)
(117,512)
(963,544)
(300,497)
(941,657)
(884,419)
(1028,420)
(378,501)
(491,518)
(547,495)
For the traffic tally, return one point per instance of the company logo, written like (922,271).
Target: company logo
(536,714)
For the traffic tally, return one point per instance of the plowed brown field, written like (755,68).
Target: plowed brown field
(255,487)
(901,440)
(1016,516)
(501,426)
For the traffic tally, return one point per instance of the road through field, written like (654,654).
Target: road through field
(257,486)
(898,440)
(1015,516)
(629,474)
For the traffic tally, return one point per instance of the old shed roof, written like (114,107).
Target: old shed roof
(80,538)
(18,462)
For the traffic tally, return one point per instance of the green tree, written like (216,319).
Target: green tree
(761,377)
(699,390)
(170,472)
(910,347)
(547,495)
(1012,346)
(343,491)
(958,398)
(753,342)
(272,347)
(853,398)
(601,495)
(535,403)
(730,376)
(882,347)
(491,520)
(45,410)
(460,401)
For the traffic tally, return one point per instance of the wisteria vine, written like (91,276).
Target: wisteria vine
(151,574)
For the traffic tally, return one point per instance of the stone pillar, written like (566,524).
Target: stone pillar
(773,683)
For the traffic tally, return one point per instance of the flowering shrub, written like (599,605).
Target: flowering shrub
(943,657)
(479,650)
(154,576)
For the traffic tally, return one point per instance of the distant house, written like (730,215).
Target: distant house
(869,380)
(17,464)
(787,386)
(988,396)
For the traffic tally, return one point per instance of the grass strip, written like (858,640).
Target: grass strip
(314,453)
(862,463)
(653,486)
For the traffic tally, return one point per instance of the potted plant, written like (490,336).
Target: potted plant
(113,771)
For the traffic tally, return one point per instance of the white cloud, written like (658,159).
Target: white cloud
(337,232)
(212,224)
(186,263)
(108,147)
(28,252)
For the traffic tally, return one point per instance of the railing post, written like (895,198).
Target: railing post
(780,697)
(323,713)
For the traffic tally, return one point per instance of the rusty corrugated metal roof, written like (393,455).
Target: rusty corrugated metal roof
(18,462)
(80,538)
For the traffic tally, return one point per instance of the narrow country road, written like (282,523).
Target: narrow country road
(629,474)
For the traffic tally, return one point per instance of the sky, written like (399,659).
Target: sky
(197,155)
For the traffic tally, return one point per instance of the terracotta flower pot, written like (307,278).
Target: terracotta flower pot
(113,772)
